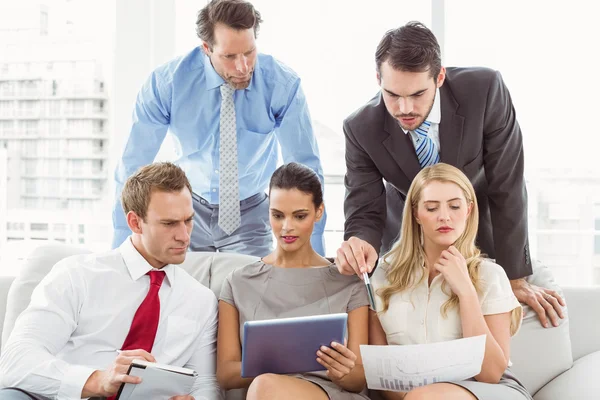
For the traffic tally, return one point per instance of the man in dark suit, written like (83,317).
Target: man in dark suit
(425,114)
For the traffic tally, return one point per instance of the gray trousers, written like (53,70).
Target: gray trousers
(252,237)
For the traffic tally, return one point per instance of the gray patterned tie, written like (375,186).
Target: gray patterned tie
(229,191)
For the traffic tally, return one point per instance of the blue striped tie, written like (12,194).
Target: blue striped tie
(427,151)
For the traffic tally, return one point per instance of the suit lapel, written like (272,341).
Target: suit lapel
(400,147)
(450,129)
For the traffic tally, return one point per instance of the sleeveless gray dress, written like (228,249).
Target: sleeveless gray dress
(262,291)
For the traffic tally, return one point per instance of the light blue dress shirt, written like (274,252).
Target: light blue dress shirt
(183,96)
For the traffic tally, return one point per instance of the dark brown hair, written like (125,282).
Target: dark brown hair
(412,47)
(297,176)
(160,176)
(237,14)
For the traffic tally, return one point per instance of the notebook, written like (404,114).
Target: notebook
(158,381)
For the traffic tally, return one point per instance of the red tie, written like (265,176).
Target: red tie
(145,321)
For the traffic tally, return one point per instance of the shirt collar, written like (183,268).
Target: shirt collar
(214,80)
(138,266)
(435,115)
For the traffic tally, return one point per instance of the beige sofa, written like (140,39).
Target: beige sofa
(557,363)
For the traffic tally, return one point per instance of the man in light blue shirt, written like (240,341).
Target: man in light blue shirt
(223,102)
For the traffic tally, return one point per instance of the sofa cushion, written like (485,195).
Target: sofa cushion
(539,354)
(210,269)
(580,382)
(584,319)
(35,267)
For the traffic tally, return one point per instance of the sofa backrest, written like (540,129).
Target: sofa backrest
(35,266)
(210,269)
(538,354)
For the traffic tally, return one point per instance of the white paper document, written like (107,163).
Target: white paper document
(158,382)
(403,368)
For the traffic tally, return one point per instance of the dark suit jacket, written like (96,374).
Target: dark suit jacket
(479,134)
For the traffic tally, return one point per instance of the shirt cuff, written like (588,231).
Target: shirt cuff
(73,382)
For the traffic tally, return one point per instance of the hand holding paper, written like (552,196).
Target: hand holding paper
(403,368)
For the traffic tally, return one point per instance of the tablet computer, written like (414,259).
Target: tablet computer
(289,345)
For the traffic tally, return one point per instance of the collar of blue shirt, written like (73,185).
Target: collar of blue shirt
(214,80)
(138,266)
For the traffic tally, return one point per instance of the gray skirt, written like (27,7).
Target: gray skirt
(509,388)
(333,391)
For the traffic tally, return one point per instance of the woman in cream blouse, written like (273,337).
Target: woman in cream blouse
(434,285)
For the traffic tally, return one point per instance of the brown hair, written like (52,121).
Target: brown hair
(412,48)
(297,176)
(237,14)
(160,176)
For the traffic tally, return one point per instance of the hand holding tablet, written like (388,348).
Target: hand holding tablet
(290,345)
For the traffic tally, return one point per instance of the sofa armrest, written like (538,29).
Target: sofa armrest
(583,304)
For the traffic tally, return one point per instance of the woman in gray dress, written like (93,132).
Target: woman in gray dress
(434,285)
(293,281)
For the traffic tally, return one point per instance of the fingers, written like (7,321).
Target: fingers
(336,358)
(533,302)
(372,256)
(347,262)
(556,296)
(342,350)
(357,246)
(454,251)
(549,310)
(556,307)
(337,364)
(186,397)
(136,355)
(438,266)
(127,379)
(356,256)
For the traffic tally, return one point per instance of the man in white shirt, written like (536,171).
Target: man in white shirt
(93,314)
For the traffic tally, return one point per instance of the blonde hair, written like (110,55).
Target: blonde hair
(160,176)
(407,257)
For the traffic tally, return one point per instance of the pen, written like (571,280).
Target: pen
(369,290)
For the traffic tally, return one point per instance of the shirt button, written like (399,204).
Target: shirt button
(216,171)
(422,322)
(214,190)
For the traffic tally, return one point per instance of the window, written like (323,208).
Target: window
(43,23)
(39,227)
(54,127)
(76,167)
(30,167)
(6,128)
(31,186)
(7,88)
(54,108)
(76,186)
(59,228)
(6,108)
(75,107)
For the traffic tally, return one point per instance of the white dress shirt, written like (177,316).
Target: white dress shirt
(81,312)
(435,116)
(414,315)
